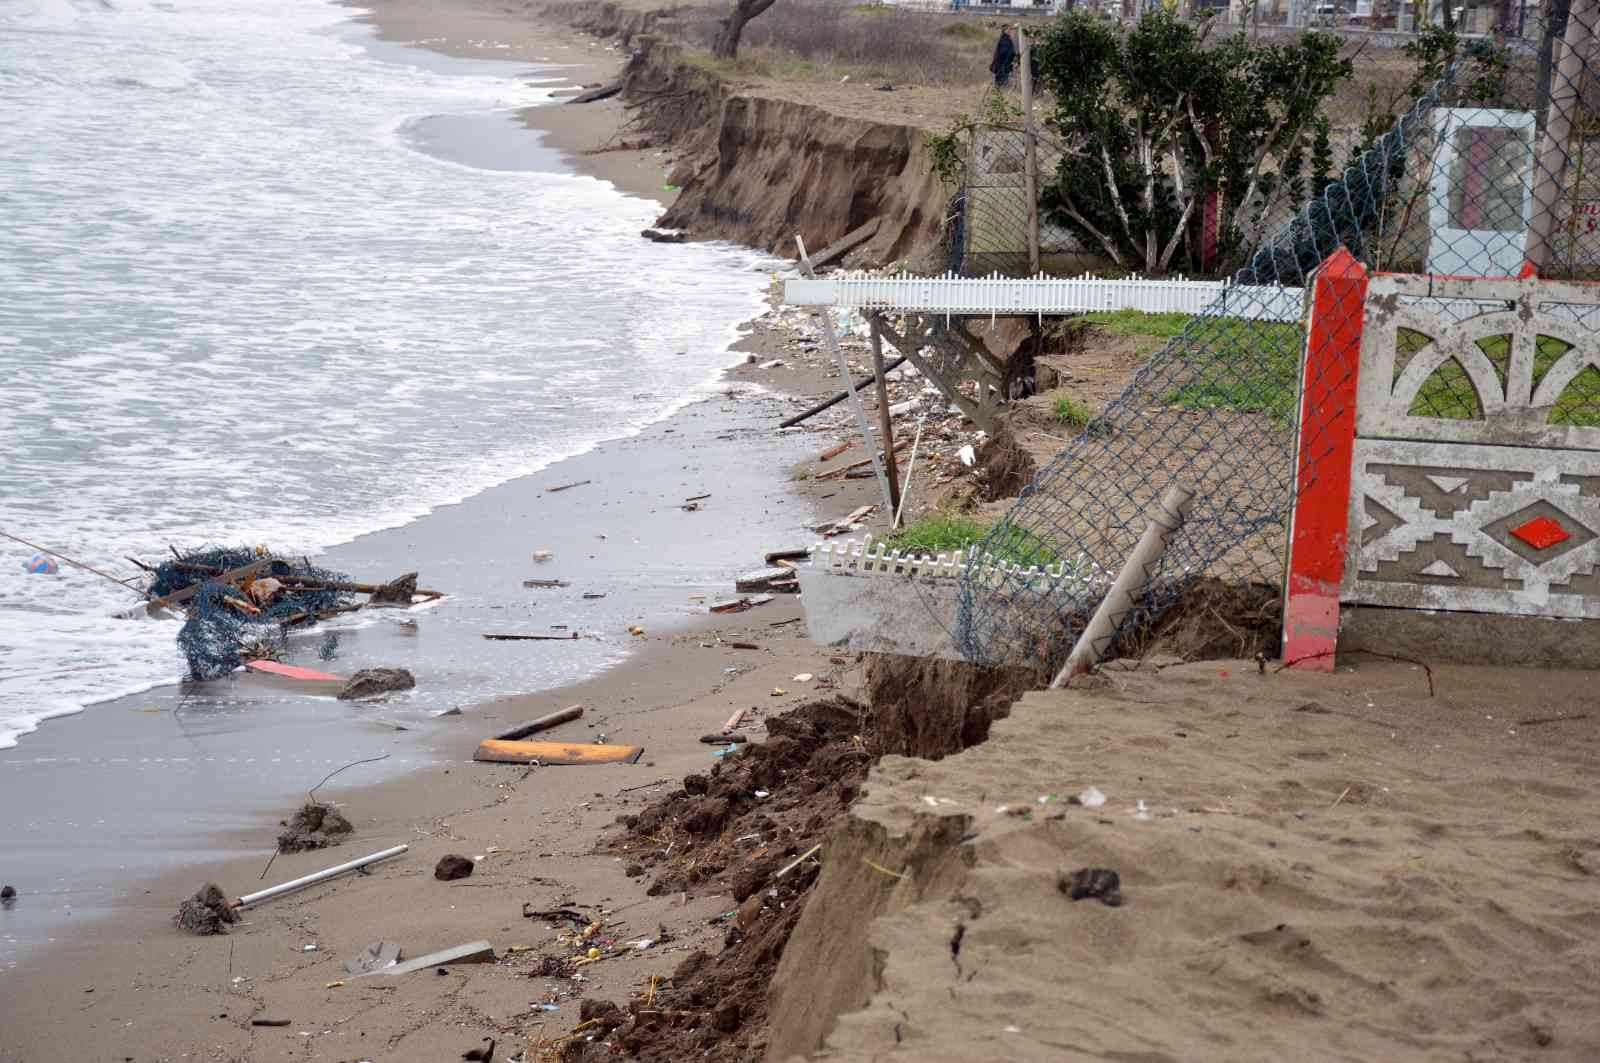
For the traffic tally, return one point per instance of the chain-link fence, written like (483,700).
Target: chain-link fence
(1494,166)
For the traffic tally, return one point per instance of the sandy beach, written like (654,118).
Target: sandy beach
(191,781)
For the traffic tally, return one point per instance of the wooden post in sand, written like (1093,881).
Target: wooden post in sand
(885,425)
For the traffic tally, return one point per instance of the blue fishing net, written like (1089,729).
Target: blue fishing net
(226,626)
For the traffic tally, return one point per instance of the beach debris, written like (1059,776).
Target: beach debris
(743,646)
(40,565)
(763,579)
(8,896)
(698,498)
(313,826)
(472,952)
(719,740)
(778,692)
(738,605)
(568,487)
(831,528)
(596,94)
(776,363)
(590,596)
(1090,882)
(541,555)
(453,866)
(313,947)
(374,957)
(292,671)
(398,591)
(207,912)
(371,681)
(497,751)
(664,236)
(282,888)
(543,723)
(1090,797)
(545,583)
(803,677)
(735,720)
(529,638)
(480,1055)
(828,455)
(636,630)
(269,1022)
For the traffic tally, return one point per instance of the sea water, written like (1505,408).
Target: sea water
(248,294)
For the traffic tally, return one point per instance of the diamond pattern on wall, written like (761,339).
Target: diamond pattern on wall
(1541,532)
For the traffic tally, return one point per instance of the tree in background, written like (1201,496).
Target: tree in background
(1156,118)
(726,45)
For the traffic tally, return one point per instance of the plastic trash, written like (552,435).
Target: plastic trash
(1091,797)
(41,565)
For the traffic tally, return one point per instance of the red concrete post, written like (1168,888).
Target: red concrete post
(1324,456)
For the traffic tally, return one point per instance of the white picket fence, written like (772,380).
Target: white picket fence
(952,294)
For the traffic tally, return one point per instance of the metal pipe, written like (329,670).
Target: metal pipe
(315,877)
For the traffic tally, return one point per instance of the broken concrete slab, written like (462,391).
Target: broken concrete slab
(472,952)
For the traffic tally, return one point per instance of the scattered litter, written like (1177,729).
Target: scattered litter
(313,947)
(40,565)
(473,952)
(315,877)
(735,720)
(290,671)
(566,487)
(332,985)
(787,555)
(968,456)
(1141,813)
(592,595)
(636,630)
(803,677)
(720,753)
(374,957)
(827,455)
(1090,797)
(763,793)
(269,1022)
(530,638)
(546,1007)
(744,646)
(778,692)
(1092,882)
(717,740)
(207,912)
(764,579)
(542,555)
(643,943)
(452,866)
(545,583)
(697,498)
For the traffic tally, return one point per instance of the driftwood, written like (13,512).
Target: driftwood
(604,92)
(543,723)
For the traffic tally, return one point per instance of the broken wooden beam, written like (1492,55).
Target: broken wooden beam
(530,638)
(806,415)
(545,583)
(604,92)
(177,597)
(845,244)
(543,723)
(500,751)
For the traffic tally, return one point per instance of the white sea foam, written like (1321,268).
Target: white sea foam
(236,305)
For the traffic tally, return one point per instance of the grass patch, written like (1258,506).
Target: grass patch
(943,533)
(1139,323)
(1072,413)
(1249,366)
(971,31)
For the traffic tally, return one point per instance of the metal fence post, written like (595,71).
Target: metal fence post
(1324,455)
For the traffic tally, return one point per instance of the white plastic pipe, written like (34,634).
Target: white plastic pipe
(315,877)
(1168,517)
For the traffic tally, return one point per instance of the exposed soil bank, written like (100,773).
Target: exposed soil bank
(757,169)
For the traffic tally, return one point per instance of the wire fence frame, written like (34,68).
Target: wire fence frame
(1219,405)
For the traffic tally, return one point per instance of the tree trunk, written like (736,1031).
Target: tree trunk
(726,46)
(1555,27)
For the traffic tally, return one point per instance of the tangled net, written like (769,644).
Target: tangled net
(226,624)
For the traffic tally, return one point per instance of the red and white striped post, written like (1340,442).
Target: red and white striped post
(1324,455)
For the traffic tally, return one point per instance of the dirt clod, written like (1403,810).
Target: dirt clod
(451,867)
(371,681)
(207,912)
(314,826)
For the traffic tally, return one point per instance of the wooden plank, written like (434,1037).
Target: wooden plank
(292,671)
(1324,458)
(497,751)
(885,423)
(472,952)
(601,93)
(531,638)
(177,597)
(840,247)
(543,723)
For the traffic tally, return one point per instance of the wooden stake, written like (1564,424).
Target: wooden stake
(885,427)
